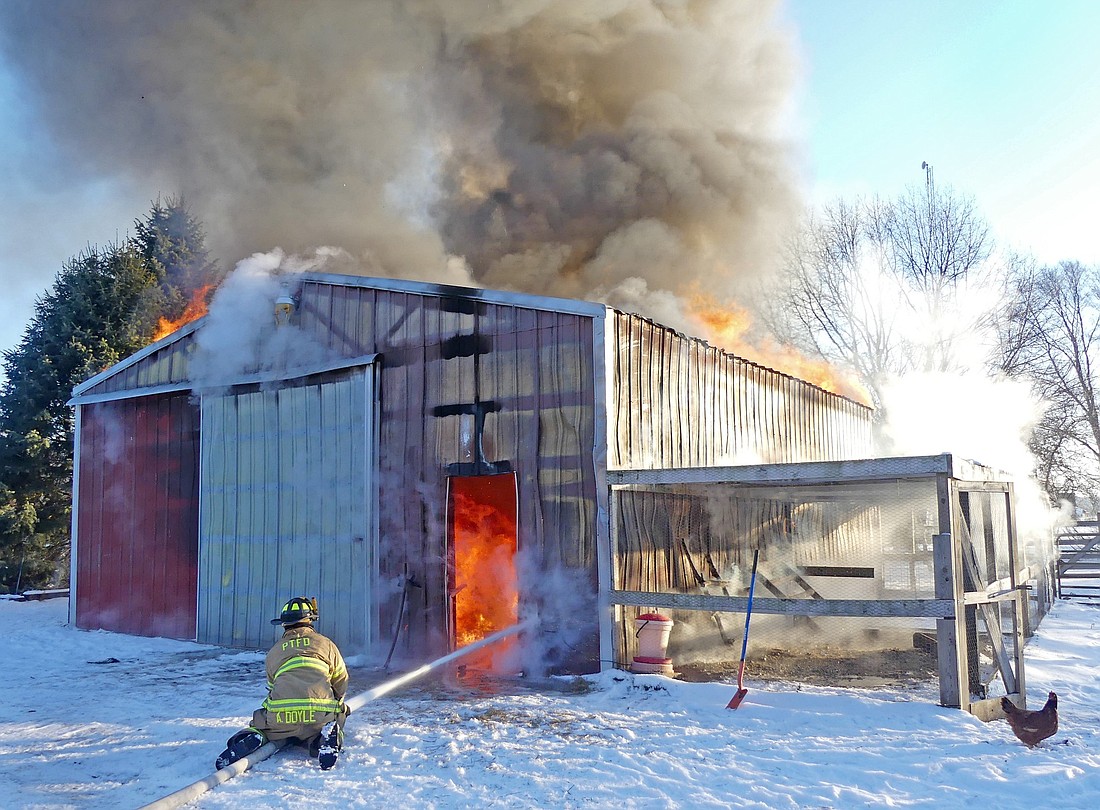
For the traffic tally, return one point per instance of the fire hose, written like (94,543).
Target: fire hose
(196,789)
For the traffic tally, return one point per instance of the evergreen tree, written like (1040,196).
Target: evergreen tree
(174,246)
(104,305)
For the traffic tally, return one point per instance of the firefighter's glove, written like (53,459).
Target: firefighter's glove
(345,708)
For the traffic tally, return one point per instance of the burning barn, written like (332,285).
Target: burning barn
(430,462)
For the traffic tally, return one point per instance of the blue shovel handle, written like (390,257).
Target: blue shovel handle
(748,608)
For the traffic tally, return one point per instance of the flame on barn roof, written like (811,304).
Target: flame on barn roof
(471,294)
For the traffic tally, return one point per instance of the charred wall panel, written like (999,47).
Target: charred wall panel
(137,528)
(472,387)
(675,401)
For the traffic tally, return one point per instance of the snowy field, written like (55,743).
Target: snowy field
(95,719)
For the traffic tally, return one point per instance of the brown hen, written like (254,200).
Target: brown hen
(1032,727)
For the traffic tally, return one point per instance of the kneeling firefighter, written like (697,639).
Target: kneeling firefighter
(306,684)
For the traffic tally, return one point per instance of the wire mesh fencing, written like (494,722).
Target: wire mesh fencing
(849,587)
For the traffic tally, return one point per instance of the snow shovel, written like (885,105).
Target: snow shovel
(739,695)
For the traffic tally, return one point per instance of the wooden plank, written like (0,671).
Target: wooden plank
(946,628)
(950,514)
(37,596)
(1020,618)
(987,710)
(991,617)
(799,474)
(930,608)
(947,662)
(838,571)
(971,598)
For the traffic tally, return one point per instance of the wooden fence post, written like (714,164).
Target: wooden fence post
(946,628)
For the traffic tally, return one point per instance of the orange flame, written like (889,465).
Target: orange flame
(486,594)
(194,310)
(727,326)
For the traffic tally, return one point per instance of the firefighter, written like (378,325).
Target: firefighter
(306,684)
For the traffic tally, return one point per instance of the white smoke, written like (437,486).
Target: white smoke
(975,417)
(952,402)
(563,604)
(240,336)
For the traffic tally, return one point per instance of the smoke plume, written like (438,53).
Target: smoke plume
(627,150)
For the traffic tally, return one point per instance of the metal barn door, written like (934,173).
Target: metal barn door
(285,510)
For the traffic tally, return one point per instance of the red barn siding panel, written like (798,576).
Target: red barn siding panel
(137,530)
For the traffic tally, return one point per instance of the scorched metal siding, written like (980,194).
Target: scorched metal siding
(159,365)
(137,526)
(675,401)
(532,372)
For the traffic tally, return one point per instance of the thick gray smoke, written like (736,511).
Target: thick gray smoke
(623,149)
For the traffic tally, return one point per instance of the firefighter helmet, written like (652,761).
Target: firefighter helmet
(299,610)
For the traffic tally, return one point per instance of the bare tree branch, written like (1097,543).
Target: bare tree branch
(1051,334)
(875,285)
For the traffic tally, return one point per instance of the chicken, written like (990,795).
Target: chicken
(1032,727)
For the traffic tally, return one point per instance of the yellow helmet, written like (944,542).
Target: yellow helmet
(299,610)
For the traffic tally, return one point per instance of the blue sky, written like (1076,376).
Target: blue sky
(1001,98)
(47,215)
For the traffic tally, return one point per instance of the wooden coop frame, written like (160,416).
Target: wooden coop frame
(975,597)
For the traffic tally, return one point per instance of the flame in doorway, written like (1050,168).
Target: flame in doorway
(483,530)
(194,310)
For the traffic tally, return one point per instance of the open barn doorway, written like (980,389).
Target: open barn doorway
(483,586)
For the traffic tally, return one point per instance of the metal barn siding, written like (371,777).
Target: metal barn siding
(137,523)
(158,368)
(674,401)
(286,509)
(472,386)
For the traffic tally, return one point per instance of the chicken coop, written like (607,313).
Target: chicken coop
(869,571)
(435,466)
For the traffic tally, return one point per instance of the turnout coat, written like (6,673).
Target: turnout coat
(306,684)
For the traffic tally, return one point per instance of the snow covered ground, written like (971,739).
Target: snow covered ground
(95,719)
